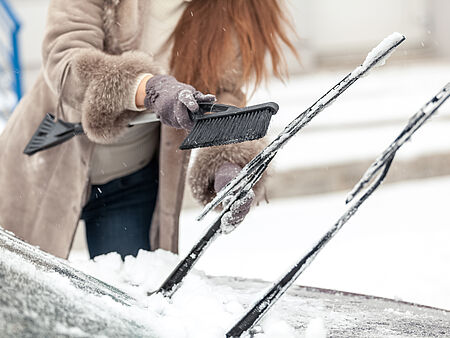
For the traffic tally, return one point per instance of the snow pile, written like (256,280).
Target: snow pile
(198,309)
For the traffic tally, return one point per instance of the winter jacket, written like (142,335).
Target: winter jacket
(89,46)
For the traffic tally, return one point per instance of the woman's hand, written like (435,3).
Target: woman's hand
(224,174)
(172,100)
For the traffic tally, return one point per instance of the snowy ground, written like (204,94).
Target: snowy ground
(396,246)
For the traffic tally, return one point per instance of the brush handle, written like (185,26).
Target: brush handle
(144,118)
(211,107)
(204,108)
(220,109)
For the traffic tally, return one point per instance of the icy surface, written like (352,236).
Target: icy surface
(44,296)
(315,312)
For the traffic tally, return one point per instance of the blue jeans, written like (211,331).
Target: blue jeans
(118,214)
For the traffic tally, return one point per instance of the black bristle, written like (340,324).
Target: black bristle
(229,129)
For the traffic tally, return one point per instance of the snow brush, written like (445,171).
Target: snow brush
(214,124)
(252,172)
(382,163)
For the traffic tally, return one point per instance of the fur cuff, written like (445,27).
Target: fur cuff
(109,81)
(208,160)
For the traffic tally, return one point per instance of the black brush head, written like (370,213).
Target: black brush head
(240,125)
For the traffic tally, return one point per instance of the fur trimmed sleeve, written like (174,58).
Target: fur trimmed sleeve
(109,80)
(83,64)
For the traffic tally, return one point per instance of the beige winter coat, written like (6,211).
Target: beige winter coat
(41,197)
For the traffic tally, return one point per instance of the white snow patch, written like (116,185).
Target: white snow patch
(272,327)
(316,329)
(377,53)
(70,331)
(387,43)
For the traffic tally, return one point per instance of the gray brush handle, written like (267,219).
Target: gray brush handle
(144,118)
(204,107)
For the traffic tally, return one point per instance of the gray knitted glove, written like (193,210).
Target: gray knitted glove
(171,100)
(224,174)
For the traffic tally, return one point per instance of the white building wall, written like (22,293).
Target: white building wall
(440,27)
(339,31)
(330,32)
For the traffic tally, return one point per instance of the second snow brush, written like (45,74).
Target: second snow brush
(215,124)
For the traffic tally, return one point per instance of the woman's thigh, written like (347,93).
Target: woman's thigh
(118,214)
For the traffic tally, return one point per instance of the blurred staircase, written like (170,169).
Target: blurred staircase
(337,147)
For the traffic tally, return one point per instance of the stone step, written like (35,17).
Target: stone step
(343,176)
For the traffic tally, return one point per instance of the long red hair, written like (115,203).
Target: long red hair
(204,41)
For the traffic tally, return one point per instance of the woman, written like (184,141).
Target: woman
(104,62)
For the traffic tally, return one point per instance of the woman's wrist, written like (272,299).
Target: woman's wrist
(140,92)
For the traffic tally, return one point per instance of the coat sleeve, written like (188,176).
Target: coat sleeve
(208,160)
(96,85)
